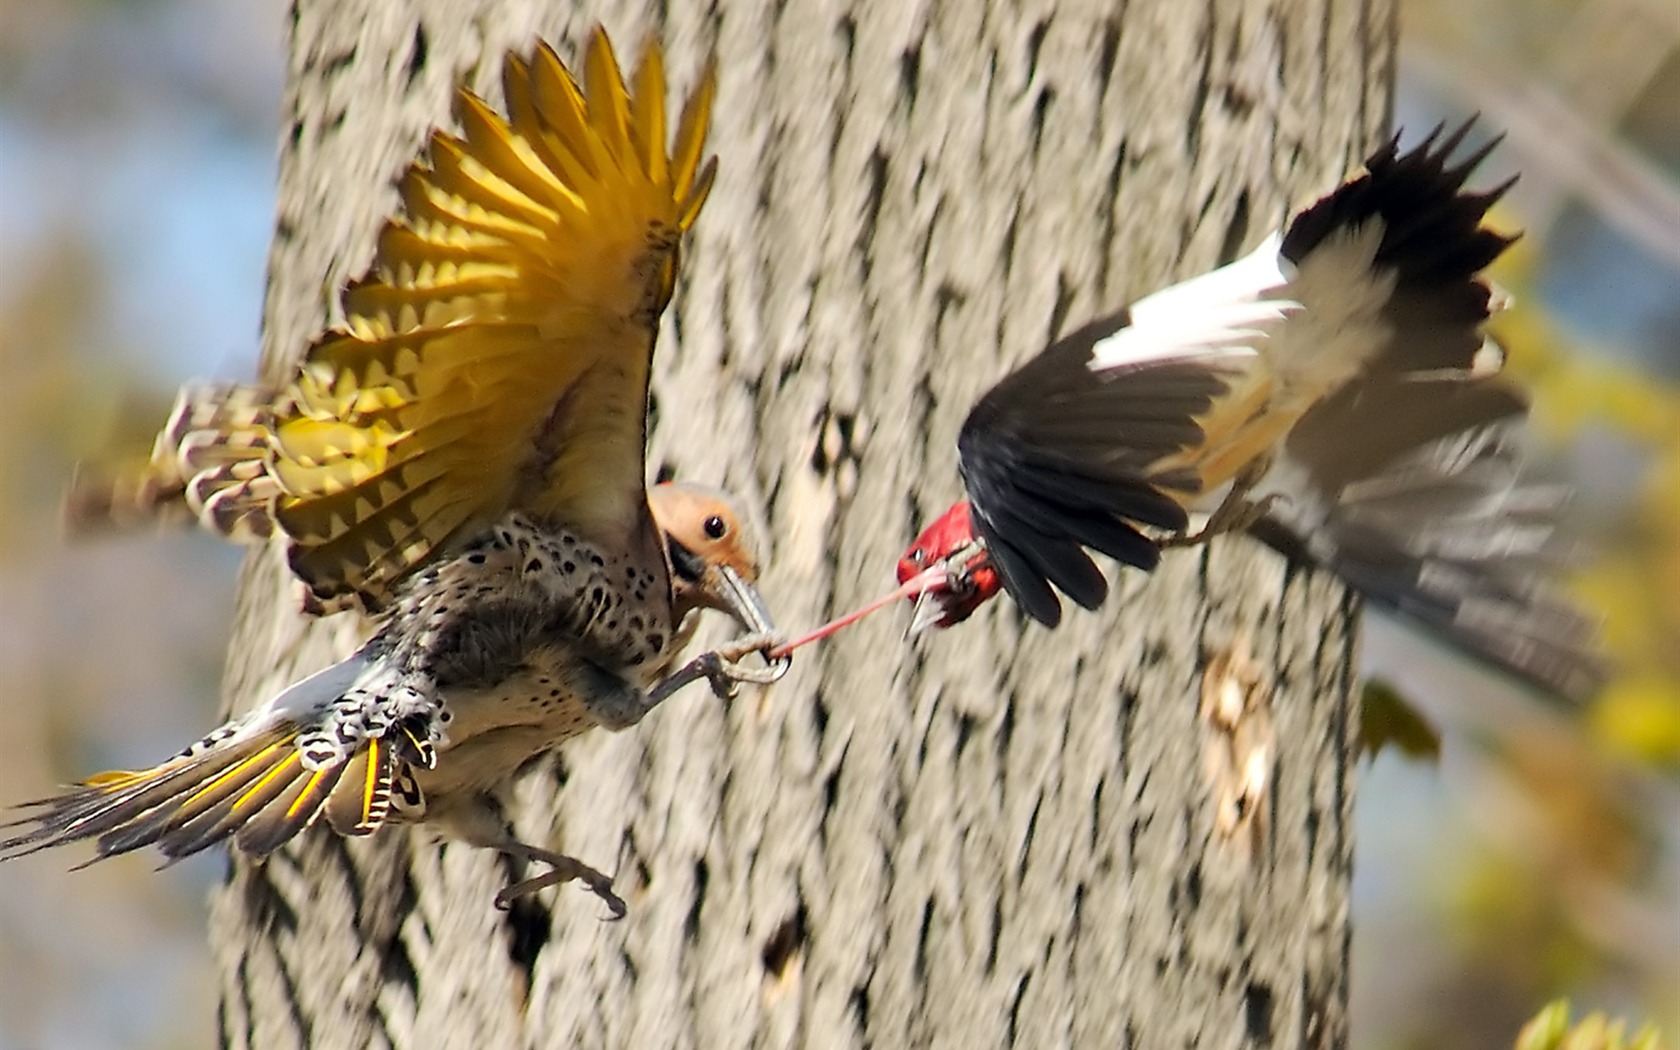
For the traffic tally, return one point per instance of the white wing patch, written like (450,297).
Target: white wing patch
(1232,308)
(1311,327)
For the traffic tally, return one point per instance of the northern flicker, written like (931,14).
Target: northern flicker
(483,662)
(1333,389)
(464,458)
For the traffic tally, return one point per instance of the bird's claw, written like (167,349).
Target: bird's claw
(564,869)
(762,642)
(1234,515)
(723,668)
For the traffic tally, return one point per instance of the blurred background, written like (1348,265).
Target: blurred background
(1536,853)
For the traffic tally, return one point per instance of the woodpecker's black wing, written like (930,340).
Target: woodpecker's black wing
(1059,457)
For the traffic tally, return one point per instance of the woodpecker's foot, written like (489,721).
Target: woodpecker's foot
(725,672)
(561,869)
(1234,514)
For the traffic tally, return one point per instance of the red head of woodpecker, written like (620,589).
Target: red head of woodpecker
(964,587)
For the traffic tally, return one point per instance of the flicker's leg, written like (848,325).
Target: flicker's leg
(1235,512)
(561,869)
(477,819)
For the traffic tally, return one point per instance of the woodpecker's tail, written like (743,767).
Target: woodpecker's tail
(248,781)
(209,464)
(1422,506)
(1428,246)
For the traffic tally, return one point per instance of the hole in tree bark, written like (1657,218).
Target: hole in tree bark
(1257,1008)
(785,943)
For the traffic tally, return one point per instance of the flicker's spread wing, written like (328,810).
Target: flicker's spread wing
(1058,457)
(497,356)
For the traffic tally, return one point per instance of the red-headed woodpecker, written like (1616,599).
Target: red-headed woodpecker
(1333,390)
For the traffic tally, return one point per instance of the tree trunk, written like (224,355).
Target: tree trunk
(1002,836)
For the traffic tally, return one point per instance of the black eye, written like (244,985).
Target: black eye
(716,527)
(918,555)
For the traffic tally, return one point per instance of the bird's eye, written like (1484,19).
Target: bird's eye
(918,555)
(716,527)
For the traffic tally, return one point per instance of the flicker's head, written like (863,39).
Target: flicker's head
(713,541)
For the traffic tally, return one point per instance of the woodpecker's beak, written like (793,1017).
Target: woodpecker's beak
(930,611)
(719,586)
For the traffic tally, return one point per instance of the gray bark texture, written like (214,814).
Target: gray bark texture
(1001,836)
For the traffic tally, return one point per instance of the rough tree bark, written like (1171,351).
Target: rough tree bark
(1006,837)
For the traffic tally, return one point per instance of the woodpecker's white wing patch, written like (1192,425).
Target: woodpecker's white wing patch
(1228,309)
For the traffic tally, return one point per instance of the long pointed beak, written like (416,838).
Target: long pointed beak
(742,601)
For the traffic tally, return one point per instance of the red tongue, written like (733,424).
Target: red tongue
(934,578)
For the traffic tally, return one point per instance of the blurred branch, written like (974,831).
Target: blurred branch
(1630,193)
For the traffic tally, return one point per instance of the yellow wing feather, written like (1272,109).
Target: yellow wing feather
(497,356)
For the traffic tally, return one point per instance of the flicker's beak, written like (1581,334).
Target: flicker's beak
(741,600)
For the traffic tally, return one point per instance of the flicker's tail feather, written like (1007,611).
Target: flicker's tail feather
(253,787)
(208,464)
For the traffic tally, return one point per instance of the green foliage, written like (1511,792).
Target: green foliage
(1631,578)
(1550,1030)
(1388,719)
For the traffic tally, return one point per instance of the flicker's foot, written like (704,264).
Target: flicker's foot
(732,654)
(722,670)
(561,869)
